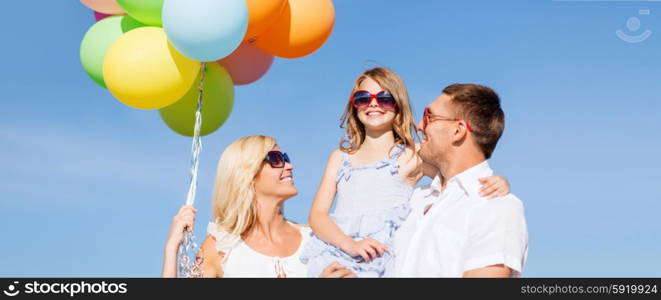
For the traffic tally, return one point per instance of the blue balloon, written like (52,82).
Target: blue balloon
(205,30)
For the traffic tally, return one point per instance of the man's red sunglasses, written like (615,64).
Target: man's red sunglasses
(428,116)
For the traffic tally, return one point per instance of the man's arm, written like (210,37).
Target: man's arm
(493,271)
(498,238)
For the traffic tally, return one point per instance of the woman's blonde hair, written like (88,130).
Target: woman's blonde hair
(403,125)
(234,207)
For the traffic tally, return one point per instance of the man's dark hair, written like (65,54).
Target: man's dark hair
(480,106)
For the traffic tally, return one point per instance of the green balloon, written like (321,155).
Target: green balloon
(145,11)
(97,41)
(216,105)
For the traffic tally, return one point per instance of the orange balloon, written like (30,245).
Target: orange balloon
(302,28)
(261,15)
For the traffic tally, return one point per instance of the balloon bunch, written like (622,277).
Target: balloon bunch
(176,55)
(148,53)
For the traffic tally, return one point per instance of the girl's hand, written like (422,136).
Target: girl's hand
(429,170)
(336,270)
(184,220)
(368,249)
(494,187)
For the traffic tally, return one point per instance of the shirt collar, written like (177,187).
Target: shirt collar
(435,186)
(469,179)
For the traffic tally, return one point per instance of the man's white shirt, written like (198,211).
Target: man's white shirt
(461,230)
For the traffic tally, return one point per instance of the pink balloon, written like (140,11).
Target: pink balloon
(100,16)
(104,6)
(246,64)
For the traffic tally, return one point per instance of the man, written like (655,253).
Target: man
(452,231)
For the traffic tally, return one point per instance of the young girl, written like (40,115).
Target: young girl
(372,174)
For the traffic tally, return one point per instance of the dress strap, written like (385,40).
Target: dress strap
(391,162)
(397,151)
(345,159)
(225,241)
(345,169)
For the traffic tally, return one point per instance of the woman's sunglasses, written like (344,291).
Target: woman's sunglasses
(277,159)
(362,99)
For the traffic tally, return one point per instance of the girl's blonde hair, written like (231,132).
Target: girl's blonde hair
(234,207)
(403,126)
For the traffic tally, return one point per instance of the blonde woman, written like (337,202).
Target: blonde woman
(249,236)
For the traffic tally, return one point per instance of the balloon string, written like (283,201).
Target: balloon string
(186,267)
(197,144)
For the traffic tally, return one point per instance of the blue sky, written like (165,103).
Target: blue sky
(88,186)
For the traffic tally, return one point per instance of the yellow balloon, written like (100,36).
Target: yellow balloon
(144,71)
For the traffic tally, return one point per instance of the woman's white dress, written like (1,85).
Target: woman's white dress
(242,261)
